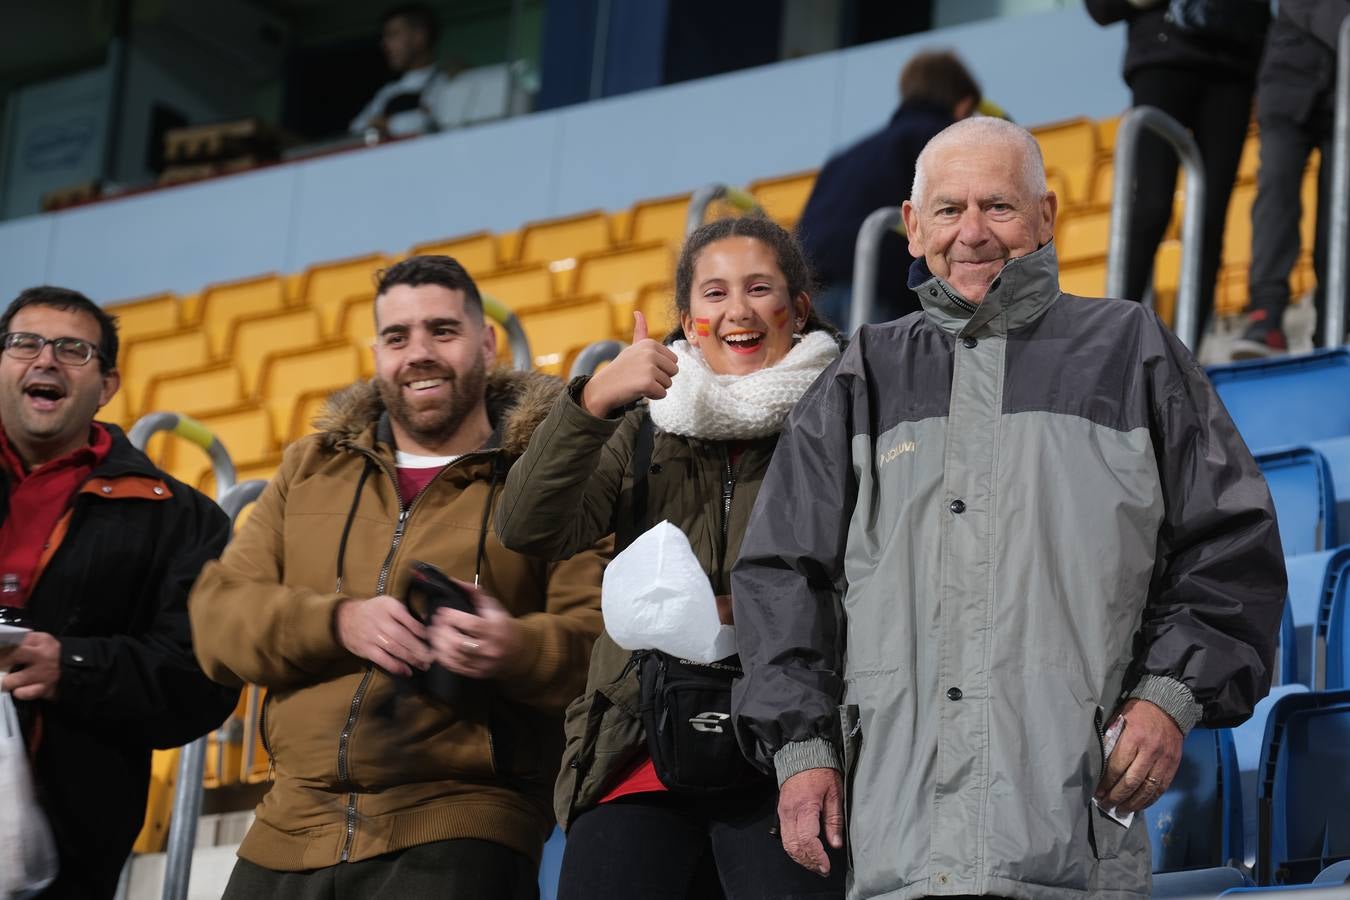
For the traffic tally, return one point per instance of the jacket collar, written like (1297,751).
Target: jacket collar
(355,417)
(1022,292)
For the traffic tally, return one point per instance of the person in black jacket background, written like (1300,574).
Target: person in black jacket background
(1195,60)
(1295,94)
(98,549)
(935,90)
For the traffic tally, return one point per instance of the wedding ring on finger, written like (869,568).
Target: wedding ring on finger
(470,646)
(384,641)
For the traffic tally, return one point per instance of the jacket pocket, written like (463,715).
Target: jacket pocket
(1105,834)
(850,726)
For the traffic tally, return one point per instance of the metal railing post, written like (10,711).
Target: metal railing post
(521,358)
(191,430)
(708,195)
(1132,125)
(595,353)
(1338,255)
(866,257)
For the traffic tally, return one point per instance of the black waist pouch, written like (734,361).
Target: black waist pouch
(686,712)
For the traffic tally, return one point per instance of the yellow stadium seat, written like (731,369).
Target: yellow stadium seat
(211,387)
(1085,279)
(149,315)
(520,288)
(558,332)
(783,198)
(328,285)
(144,358)
(1308,222)
(620,273)
(1071,147)
(658,308)
(248,435)
(158,802)
(1106,135)
(1083,235)
(223,303)
(475,252)
(289,374)
(304,411)
(660,219)
(1250,160)
(357,324)
(1230,295)
(1055,182)
(1237,232)
(556,240)
(1103,183)
(253,338)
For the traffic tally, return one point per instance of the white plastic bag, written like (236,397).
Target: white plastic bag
(28,861)
(656,594)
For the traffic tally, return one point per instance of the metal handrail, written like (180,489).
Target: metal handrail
(708,195)
(595,353)
(866,259)
(521,358)
(1338,258)
(1132,125)
(190,430)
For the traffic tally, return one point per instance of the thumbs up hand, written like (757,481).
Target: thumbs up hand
(644,369)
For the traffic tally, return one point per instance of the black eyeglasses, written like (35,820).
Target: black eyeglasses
(68,350)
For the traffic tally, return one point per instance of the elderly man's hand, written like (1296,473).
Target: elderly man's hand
(804,801)
(36,668)
(479,646)
(1144,761)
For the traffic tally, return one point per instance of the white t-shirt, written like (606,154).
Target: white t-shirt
(414,461)
(433,101)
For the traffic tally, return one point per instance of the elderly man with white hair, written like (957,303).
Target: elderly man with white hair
(1000,540)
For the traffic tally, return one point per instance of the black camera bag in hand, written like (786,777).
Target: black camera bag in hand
(685,705)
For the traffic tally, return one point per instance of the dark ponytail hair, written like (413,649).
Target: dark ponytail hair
(786,250)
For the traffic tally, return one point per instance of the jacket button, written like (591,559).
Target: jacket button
(655,469)
(159,490)
(954,693)
(957,506)
(75,657)
(107,489)
(969,343)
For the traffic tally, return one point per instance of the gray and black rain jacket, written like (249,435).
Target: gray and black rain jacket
(983,528)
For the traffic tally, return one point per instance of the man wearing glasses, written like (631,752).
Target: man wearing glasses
(98,549)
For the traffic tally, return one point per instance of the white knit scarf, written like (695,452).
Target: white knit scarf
(702,404)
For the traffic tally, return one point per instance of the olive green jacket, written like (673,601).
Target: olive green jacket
(572,485)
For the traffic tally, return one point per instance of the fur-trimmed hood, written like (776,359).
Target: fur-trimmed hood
(516,403)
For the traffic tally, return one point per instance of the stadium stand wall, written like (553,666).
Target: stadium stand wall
(773,119)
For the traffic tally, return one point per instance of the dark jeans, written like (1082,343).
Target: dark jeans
(1285,148)
(461,869)
(1216,110)
(662,847)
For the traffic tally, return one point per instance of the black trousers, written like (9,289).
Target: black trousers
(1216,110)
(461,869)
(1285,148)
(662,847)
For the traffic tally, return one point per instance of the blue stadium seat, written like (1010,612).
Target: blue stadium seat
(1287,657)
(1303,787)
(1336,873)
(1198,822)
(1287,400)
(551,865)
(1247,741)
(1336,451)
(1198,882)
(1311,577)
(1332,636)
(1305,501)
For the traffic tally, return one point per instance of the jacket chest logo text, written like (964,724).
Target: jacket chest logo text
(709,721)
(898,450)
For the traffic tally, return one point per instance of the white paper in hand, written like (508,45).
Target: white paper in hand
(656,595)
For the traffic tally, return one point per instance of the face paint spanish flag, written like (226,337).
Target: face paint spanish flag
(780,316)
(703,327)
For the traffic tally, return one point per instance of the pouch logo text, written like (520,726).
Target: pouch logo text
(709,721)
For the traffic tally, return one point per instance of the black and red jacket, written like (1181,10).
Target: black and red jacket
(112,587)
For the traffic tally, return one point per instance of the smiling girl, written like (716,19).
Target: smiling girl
(713,399)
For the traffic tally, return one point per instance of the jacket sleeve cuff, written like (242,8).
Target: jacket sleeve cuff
(1172,697)
(798,756)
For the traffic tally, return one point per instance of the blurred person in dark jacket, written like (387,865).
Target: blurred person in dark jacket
(98,549)
(1295,97)
(936,89)
(1195,60)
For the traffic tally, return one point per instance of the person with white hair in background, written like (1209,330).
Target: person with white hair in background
(998,537)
